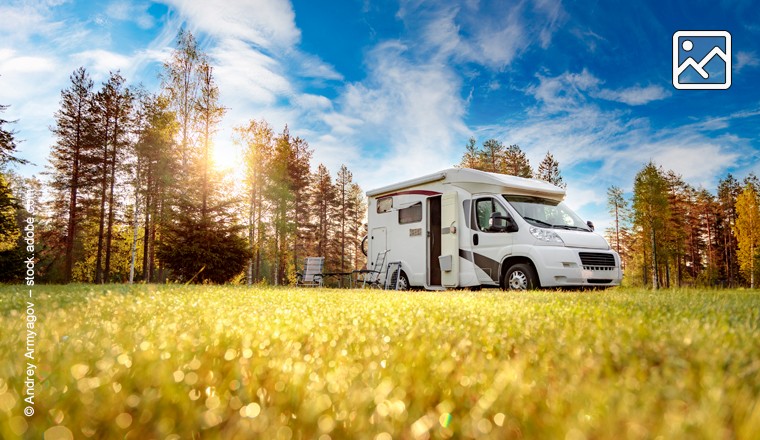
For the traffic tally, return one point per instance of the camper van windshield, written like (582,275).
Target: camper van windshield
(546,213)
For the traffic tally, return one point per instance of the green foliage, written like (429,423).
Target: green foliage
(496,158)
(747,231)
(234,362)
(548,170)
(7,143)
(651,214)
(9,230)
(202,250)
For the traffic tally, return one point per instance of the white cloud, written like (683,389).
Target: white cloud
(583,136)
(745,59)
(22,19)
(244,73)
(99,62)
(492,35)
(126,10)
(569,90)
(410,113)
(265,23)
(636,95)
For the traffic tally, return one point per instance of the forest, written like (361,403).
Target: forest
(131,194)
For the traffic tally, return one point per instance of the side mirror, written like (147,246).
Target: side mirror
(500,223)
(590,225)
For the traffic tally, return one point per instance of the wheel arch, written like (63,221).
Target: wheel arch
(517,259)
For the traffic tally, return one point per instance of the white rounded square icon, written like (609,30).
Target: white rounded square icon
(702,60)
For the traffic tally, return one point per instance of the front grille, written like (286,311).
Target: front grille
(597,261)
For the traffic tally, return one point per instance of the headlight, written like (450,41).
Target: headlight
(546,235)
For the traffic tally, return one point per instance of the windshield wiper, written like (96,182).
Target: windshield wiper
(569,227)
(530,219)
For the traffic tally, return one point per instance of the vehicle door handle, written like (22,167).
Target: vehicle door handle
(475,239)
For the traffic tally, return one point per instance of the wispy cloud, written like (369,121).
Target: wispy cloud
(126,10)
(582,133)
(411,110)
(264,23)
(491,35)
(636,95)
(745,59)
(569,90)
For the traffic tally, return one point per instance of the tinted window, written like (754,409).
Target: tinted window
(412,214)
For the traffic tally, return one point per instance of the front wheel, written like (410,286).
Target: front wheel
(520,277)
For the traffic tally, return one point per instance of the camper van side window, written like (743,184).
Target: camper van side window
(483,210)
(384,205)
(412,214)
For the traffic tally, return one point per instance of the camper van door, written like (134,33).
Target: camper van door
(490,240)
(449,240)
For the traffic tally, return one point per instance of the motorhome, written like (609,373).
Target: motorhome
(464,228)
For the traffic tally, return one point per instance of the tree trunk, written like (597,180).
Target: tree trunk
(655,277)
(101,225)
(72,215)
(109,233)
(147,225)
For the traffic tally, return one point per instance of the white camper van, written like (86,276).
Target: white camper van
(463,228)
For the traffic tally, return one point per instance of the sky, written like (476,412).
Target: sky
(394,89)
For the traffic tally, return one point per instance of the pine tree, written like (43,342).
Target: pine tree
(516,162)
(203,212)
(492,157)
(257,140)
(472,156)
(280,198)
(747,231)
(324,207)
(7,143)
(73,171)
(9,230)
(357,226)
(112,110)
(651,213)
(728,191)
(299,173)
(157,168)
(345,208)
(548,171)
(617,206)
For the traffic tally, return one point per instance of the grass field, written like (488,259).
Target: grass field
(174,362)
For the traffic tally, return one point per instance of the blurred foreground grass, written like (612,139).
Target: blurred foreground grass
(175,362)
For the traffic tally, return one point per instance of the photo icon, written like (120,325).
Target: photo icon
(702,60)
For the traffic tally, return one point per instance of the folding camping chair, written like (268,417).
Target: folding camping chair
(312,272)
(372,277)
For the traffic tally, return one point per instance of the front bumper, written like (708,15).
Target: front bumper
(562,267)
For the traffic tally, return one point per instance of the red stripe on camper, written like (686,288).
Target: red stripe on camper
(417,192)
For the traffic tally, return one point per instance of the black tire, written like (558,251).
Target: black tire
(363,246)
(403,282)
(520,276)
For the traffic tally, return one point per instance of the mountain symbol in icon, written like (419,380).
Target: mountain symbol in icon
(699,67)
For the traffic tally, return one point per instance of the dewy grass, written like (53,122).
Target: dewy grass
(233,362)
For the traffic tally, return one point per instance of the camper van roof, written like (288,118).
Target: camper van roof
(470,176)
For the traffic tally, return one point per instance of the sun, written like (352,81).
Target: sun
(226,159)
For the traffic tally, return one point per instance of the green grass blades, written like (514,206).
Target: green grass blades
(177,362)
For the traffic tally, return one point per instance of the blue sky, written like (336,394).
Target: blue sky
(394,89)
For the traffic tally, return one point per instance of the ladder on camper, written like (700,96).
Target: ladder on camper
(392,274)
